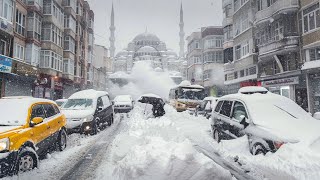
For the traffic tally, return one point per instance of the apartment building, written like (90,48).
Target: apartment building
(277,41)
(241,69)
(40,56)
(205,57)
(102,65)
(309,25)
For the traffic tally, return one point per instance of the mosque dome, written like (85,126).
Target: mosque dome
(146,37)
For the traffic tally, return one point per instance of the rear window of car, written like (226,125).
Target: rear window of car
(226,108)
(218,107)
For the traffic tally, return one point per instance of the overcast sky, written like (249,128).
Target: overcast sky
(161,17)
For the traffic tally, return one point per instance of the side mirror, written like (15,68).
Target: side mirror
(35,121)
(244,121)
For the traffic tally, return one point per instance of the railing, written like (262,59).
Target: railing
(277,7)
(275,45)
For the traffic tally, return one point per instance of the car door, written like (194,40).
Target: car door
(107,106)
(224,118)
(39,131)
(238,111)
(100,113)
(53,119)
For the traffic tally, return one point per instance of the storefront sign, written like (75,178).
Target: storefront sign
(282,82)
(5,64)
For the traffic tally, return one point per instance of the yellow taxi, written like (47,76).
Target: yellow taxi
(28,128)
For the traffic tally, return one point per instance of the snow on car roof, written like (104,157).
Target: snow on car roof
(278,114)
(11,115)
(150,95)
(88,94)
(252,89)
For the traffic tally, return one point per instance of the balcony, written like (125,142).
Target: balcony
(228,44)
(227,21)
(280,6)
(6,26)
(284,45)
(228,67)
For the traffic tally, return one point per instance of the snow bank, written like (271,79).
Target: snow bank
(156,149)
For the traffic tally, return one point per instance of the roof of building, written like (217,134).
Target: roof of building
(146,37)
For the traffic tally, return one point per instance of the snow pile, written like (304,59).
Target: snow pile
(145,80)
(156,149)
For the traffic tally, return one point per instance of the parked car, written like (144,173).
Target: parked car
(28,132)
(205,108)
(60,102)
(269,121)
(123,104)
(86,111)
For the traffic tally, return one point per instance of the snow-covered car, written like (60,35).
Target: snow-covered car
(28,131)
(269,121)
(87,110)
(205,108)
(60,102)
(123,104)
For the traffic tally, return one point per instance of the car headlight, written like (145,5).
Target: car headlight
(4,144)
(87,119)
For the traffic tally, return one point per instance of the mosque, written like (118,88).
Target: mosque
(149,48)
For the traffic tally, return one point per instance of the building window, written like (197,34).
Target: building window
(18,51)
(312,54)
(35,2)
(245,49)
(242,73)
(238,52)
(215,42)
(51,60)
(70,23)
(34,26)
(71,3)
(311,18)
(51,8)
(235,75)
(68,66)
(3,47)
(253,70)
(227,31)
(20,23)
(69,44)
(52,33)
(7,10)
(32,54)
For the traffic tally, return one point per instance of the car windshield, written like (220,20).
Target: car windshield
(122,99)
(78,104)
(191,94)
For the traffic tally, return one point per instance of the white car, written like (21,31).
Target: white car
(123,104)
(60,102)
(87,110)
(269,121)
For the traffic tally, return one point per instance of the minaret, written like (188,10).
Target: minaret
(182,34)
(112,38)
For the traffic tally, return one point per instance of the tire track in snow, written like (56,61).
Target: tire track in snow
(85,168)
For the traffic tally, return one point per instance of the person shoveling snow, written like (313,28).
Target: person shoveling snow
(156,102)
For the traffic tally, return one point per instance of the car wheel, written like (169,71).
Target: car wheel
(27,160)
(216,135)
(259,149)
(62,140)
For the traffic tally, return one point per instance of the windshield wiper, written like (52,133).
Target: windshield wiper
(286,111)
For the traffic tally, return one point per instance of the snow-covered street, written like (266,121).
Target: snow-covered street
(176,146)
